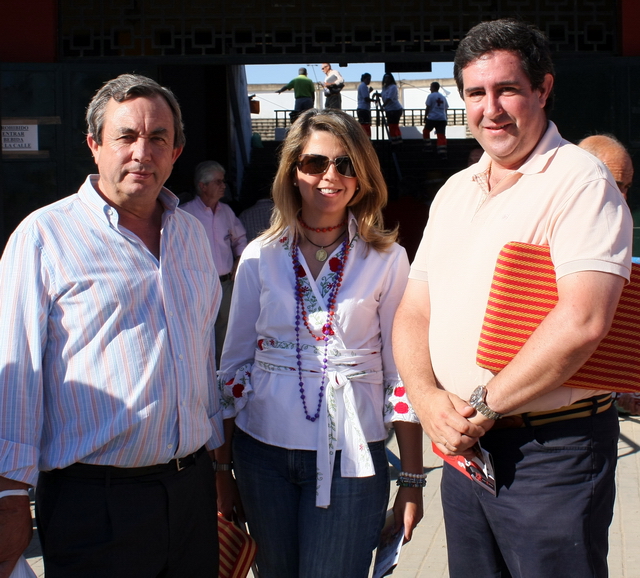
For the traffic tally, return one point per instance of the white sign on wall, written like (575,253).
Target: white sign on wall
(19,137)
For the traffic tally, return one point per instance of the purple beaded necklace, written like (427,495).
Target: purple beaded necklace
(327,328)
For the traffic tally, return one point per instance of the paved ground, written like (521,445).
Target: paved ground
(426,555)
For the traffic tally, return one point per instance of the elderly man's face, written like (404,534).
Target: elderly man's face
(212,191)
(619,164)
(136,155)
(505,115)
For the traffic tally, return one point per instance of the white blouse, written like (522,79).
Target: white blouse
(259,374)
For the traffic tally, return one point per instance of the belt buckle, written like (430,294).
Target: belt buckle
(178,466)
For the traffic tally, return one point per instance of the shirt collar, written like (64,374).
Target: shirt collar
(535,163)
(89,194)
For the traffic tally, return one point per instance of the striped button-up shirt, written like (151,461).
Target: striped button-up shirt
(106,353)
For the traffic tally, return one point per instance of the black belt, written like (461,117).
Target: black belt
(79,470)
(226,277)
(583,408)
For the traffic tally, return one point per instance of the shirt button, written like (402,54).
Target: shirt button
(170,446)
(180,357)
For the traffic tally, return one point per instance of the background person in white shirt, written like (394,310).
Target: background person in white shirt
(307,370)
(333,84)
(225,232)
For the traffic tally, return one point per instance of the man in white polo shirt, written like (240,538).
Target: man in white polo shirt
(554,469)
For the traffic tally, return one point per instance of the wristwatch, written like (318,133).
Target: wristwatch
(477,401)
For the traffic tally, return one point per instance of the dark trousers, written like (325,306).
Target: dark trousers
(551,515)
(162,525)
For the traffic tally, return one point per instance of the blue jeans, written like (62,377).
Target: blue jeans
(551,516)
(295,538)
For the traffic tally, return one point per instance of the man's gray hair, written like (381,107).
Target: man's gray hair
(126,87)
(204,172)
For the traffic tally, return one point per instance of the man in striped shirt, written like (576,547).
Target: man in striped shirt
(107,391)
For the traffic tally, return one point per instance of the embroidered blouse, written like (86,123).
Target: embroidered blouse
(259,375)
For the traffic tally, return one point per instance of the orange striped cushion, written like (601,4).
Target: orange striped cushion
(524,290)
(237,550)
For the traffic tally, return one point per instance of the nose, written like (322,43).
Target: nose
(141,150)
(332,171)
(492,107)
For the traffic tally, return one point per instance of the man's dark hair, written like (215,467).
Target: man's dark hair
(512,35)
(125,87)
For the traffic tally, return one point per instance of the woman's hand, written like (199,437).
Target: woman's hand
(229,503)
(407,510)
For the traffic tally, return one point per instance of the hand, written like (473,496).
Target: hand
(445,419)
(629,402)
(407,510)
(484,422)
(229,503)
(16,529)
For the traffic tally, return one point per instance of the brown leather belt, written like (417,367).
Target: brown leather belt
(583,408)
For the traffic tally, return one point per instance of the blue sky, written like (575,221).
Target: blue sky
(283,73)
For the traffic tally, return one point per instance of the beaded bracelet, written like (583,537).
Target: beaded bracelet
(409,480)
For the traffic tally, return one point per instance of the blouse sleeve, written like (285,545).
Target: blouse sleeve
(234,376)
(396,403)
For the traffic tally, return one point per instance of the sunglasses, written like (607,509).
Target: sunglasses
(319,164)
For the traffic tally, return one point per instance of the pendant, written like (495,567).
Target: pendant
(321,254)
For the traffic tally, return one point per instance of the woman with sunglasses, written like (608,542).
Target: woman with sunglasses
(307,370)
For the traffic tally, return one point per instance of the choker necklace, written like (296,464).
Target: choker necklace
(321,254)
(327,328)
(321,229)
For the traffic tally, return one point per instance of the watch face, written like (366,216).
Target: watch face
(477,395)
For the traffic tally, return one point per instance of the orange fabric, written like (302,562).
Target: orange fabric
(523,292)
(237,550)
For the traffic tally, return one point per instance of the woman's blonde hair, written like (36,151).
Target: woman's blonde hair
(370,196)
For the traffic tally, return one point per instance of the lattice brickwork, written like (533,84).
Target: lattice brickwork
(267,30)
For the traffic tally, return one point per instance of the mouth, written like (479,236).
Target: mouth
(329,192)
(497,128)
(140,175)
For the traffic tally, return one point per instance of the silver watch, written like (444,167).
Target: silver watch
(477,401)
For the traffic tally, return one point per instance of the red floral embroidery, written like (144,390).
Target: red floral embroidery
(229,382)
(399,391)
(237,390)
(260,342)
(401,407)
(283,240)
(334,264)
(300,272)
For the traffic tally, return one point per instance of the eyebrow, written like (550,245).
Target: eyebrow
(499,84)
(156,132)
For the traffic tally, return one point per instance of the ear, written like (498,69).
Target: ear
(94,147)
(545,89)
(176,153)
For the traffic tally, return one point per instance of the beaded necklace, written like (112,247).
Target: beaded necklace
(327,328)
(321,229)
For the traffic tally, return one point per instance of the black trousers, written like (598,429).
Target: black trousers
(160,525)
